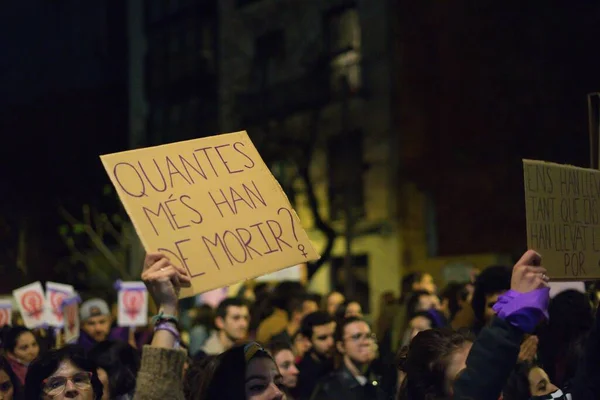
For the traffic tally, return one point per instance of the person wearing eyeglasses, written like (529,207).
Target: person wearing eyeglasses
(63,374)
(352,379)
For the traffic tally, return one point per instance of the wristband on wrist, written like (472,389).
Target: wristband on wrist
(162,317)
(167,326)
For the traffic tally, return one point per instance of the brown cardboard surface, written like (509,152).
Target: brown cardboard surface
(563,218)
(213,206)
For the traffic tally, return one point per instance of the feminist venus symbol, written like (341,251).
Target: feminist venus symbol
(56,299)
(4,316)
(33,304)
(132,302)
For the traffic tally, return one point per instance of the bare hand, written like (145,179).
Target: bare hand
(528,349)
(164,280)
(527,273)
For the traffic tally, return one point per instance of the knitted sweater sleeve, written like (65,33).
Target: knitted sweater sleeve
(161,374)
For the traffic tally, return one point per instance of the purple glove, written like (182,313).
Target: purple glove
(523,310)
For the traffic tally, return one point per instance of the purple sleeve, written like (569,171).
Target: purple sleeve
(524,310)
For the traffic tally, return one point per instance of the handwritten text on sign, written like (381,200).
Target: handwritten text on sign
(212,206)
(563,218)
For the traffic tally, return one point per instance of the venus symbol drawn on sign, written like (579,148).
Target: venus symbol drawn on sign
(132,302)
(71,315)
(301,247)
(56,299)
(33,304)
(4,316)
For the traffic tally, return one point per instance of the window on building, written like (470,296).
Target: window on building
(345,168)
(344,46)
(269,49)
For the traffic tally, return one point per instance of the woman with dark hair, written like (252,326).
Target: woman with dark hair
(529,381)
(562,341)
(436,365)
(21,348)
(121,362)
(63,374)
(10,387)
(244,372)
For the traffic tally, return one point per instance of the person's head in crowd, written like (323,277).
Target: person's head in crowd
(21,344)
(490,284)
(420,322)
(10,387)
(203,315)
(284,291)
(453,298)
(319,328)
(192,383)
(244,372)
(416,281)
(528,381)
(96,319)
(298,307)
(562,341)
(286,362)
(432,362)
(121,363)
(65,373)
(232,319)
(354,341)
(347,309)
(332,301)
(300,344)
(419,301)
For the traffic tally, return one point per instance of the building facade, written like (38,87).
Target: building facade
(180,69)
(311,83)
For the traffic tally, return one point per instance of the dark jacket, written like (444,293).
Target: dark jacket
(312,369)
(490,362)
(341,384)
(586,383)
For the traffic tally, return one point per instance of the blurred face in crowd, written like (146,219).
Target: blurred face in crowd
(287,367)
(27,348)
(309,307)
(263,380)
(322,339)
(103,377)
(98,327)
(427,302)
(334,300)
(456,363)
(236,322)
(426,283)
(68,382)
(353,310)
(301,345)
(6,387)
(539,383)
(490,300)
(416,325)
(357,343)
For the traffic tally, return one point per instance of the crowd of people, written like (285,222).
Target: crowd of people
(499,336)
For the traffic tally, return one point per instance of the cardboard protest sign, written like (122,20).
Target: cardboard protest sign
(55,294)
(70,311)
(32,304)
(563,218)
(212,206)
(5,313)
(133,304)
